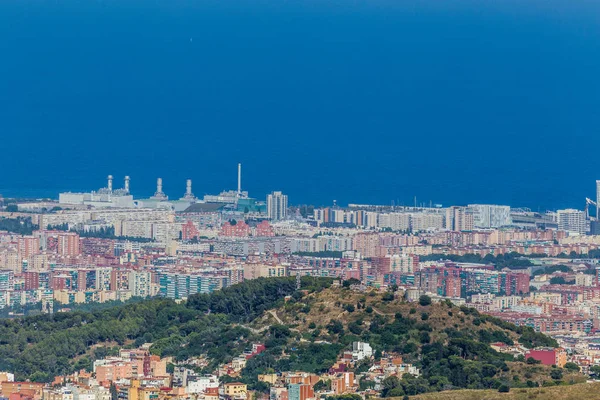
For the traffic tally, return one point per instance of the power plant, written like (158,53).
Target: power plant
(104,197)
(122,198)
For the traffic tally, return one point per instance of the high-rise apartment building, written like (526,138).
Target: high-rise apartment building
(7,280)
(68,244)
(459,219)
(571,220)
(28,246)
(490,216)
(140,283)
(277,204)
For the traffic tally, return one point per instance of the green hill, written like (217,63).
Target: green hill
(302,330)
(449,344)
(573,392)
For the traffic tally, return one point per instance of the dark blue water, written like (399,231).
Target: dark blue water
(359,101)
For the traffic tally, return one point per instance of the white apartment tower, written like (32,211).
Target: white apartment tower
(572,221)
(277,204)
(490,215)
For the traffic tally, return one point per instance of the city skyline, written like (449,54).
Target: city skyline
(185,186)
(447,102)
(299,200)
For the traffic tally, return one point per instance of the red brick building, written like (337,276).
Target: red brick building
(235,229)
(548,356)
(265,229)
(189,231)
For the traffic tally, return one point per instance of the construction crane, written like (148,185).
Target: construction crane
(589,202)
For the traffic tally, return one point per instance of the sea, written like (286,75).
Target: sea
(354,101)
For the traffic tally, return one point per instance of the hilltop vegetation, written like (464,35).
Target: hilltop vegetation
(449,344)
(43,346)
(573,392)
(302,330)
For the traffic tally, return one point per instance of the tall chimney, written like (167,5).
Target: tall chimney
(239,179)
(110,179)
(126,184)
(188,187)
(159,195)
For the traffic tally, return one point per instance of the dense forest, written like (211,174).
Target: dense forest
(41,347)
(22,226)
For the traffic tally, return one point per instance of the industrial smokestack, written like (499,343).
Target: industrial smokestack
(188,191)
(126,184)
(239,179)
(159,195)
(110,179)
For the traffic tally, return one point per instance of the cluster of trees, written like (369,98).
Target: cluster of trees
(458,357)
(41,347)
(551,269)
(321,254)
(59,227)
(594,254)
(528,337)
(109,233)
(511,260)
(21,226)
(455,357)
(101,233)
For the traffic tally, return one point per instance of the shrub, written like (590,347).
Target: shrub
(425,300)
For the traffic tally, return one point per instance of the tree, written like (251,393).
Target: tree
(335,327)
(595,369)
(389,384)
(558,280)
(556,374)
(531,360)
(504,388)
(114,394)
(388,296)
(425,300)
(12,208)
(322,385)
(571,366)
(349,282)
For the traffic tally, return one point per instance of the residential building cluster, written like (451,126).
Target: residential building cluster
(136,374)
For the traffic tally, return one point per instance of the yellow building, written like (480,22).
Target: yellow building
(235,389)
(268,378)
